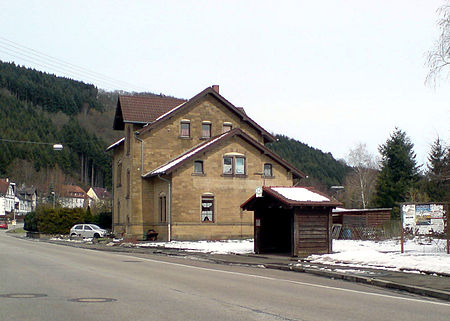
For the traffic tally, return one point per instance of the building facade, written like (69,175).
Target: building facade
(184,167)
(7,197)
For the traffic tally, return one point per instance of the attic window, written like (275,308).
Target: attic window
(268,170)
(206,129)
(185,126)
(198,167)
(227,127)
(234,164)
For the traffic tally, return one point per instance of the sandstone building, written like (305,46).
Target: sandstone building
(184,167)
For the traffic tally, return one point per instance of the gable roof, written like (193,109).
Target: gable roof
(210,91)
(101,193)
(294,196)
(181,159)
(73,191)
(142,109)
(4,184)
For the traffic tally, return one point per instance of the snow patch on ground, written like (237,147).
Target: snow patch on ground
(421,254)
(216,247)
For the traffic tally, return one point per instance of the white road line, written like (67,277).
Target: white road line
(288,281)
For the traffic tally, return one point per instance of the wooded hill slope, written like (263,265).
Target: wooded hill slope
(39,107)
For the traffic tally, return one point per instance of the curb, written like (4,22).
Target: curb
(366,280)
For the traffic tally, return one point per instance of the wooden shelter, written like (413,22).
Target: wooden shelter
(296,221)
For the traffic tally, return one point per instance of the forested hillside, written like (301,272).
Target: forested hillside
(29,104)
(39,107)
(323,170)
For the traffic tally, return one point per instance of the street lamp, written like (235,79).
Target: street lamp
(55,146)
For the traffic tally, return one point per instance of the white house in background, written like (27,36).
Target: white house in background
(99,196)
(27,197)
(72,196)
(7,195)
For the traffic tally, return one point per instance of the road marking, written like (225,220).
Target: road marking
(290,281)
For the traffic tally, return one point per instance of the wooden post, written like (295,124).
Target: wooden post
(402,238)
(448,229)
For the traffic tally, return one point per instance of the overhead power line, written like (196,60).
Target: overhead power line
(65,68)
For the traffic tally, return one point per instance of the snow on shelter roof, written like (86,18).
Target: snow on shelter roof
(293,196)
(300,194)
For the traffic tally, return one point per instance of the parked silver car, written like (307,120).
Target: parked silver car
(88,231)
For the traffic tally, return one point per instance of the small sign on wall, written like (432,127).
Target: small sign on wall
(258,222)
(259,191)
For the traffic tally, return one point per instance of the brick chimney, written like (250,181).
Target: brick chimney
(215,88)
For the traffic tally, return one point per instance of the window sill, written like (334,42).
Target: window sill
(235,175)
(268,177)
(198,174)
(185,137)
(204,138)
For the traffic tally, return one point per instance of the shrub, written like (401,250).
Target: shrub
(55,221)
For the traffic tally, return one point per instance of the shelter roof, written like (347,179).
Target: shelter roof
(294,196)
(181,159)
(340,210)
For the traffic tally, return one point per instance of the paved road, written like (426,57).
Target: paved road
(42,281)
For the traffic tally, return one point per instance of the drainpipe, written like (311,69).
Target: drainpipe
(169,208)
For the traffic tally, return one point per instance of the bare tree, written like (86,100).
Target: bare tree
(438,59)
(359,185)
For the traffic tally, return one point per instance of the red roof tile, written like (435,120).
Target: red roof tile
(143,109)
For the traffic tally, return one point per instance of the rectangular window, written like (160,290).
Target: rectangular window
(119,174)
(128,183)
(206,130)
(185,129)
(268,170)
(240,166)
(198,167)
(227,127)
(128,140)
(162,209)
(233,165)
(207,209)
(228,165)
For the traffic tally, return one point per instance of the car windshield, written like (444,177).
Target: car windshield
(95,227)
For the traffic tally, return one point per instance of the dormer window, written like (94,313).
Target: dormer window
(206,129)
(185,126)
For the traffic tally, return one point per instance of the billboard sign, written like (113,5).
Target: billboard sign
(423,219)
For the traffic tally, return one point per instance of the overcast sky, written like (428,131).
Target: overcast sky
(328,73)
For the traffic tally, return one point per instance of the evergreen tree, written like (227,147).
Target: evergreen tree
(438,173)
(399,171)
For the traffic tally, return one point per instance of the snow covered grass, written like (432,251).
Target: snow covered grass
(421,254)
